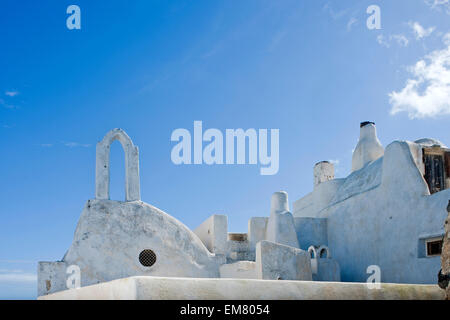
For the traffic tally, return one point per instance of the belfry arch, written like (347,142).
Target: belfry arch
(102,172)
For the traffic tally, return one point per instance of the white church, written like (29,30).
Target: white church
(389,213)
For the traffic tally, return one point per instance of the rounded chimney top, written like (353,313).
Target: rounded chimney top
(368,148)
(279,202)
(323,171)
(365,123)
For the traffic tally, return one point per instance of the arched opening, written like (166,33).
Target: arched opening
(324,252)
(117,172)
(312,252)
(102,171)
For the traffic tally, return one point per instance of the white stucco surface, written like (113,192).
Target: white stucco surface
(132,183)
(381,214)
(159,288)
(281,227)
(239,270)
(275,261)
(110,236)
(368,148)
(323,171)
(214,233)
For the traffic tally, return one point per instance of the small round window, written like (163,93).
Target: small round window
(147,258)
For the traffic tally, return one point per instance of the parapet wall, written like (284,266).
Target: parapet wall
(159,288)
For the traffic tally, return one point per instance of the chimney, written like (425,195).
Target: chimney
(368,148)
(323,171)
(279,203)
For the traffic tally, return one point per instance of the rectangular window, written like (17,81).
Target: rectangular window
(434,247)
(437,168)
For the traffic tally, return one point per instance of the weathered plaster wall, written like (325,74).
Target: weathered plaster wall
(257,227)
(275,261)
(323,267)
(110,236)
(102,173)
(214,234)
(158,288)
(311,232)
(281,227)
(313,203)
(323,171)
(378,216)
(51,277)
(239,270)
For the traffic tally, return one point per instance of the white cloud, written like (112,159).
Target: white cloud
(6,105)
(401,39)
(446,39)
(335,162)
(427,93)
(439,5)
(419,31)
(67,144)
(351,22)
(11,93)
(76,144)
(14,276)
(382,41)
(386,41)
(18,261)
(334,14)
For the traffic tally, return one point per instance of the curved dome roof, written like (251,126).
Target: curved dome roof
(428,142)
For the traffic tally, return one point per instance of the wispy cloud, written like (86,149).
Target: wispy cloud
(441,5)
(13,276)
(382,41)
(446,39)
(419,31)
(7,105)
(335,14)
(337,167)
(11,93)
(351,22)
(335,162)
(427,93)
(76,144)
(66,144)
(17,261)
(400,39)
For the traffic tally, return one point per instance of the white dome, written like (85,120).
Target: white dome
(428,142)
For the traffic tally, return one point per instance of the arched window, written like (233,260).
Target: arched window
(102,173)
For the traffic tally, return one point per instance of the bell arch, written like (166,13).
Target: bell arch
(312,252)
(102,172)
(324,252)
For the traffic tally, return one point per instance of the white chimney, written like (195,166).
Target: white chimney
(279,202)
(323,171)
(368,148)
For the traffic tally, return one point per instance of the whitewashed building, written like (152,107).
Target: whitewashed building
(388,212)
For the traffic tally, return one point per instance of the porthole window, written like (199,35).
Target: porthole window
(147,258)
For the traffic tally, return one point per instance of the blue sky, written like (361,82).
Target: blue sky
(311,69)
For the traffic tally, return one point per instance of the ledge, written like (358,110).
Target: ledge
(164,288)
